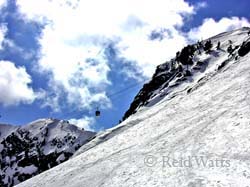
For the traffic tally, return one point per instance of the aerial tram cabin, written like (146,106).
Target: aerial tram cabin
(97,113)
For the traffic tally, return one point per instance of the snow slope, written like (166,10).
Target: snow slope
(192,135)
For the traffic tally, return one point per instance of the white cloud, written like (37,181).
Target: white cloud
(201,5)
(85,122)
(3,30)
(77,31)
(14,85)
(2,3)
(149,53)
(210,27)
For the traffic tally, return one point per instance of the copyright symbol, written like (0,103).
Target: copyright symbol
(150,160)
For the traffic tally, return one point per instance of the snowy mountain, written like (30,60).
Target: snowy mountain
(6,130)
(170,74)
(28,150)
(189,126)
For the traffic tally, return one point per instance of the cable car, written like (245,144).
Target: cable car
(97,112)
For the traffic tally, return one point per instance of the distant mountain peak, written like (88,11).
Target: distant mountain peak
(28,150)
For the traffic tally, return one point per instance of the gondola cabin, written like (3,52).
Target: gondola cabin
(97,113)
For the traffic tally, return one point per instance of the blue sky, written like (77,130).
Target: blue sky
(63,59)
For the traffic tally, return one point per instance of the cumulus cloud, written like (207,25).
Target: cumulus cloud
(201,5)
(14,85)
(85,123)
(210,27)
(76,34)
(148,53)
(2,3)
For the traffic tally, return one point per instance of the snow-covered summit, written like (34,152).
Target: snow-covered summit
(191,130)
(28,150)
(169,76)
(5,130)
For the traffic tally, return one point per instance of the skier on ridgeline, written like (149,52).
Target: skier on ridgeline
(230,49)
(218,45)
